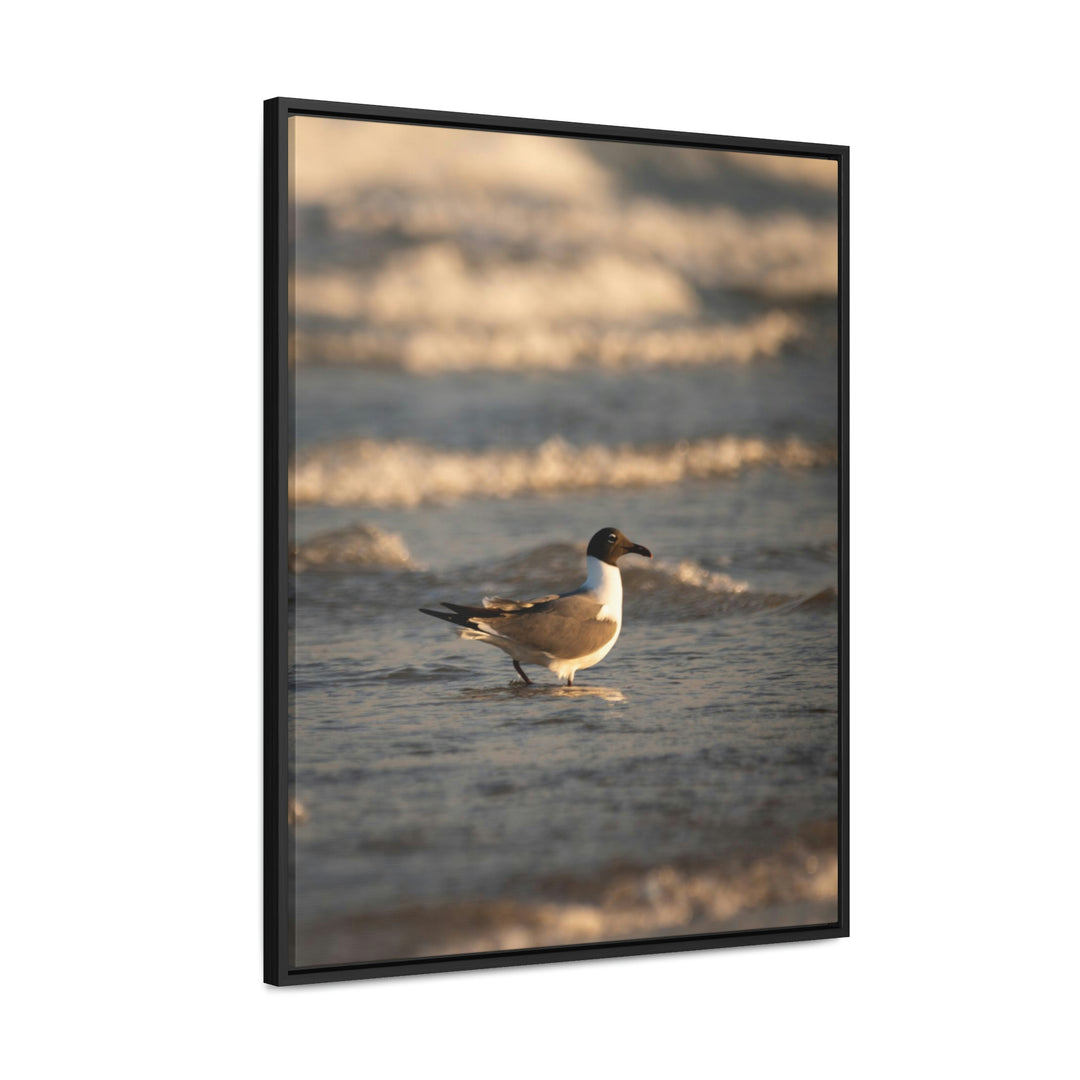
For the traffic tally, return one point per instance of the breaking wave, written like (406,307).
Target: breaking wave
(826,599)
(435,284)
(332,159)
(658,589)
(817,173)
(356,546)
(405,473)
(785,254)
(796,885)
(543,347)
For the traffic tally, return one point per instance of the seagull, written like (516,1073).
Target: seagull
(564,633)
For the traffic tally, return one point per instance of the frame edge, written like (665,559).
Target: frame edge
(275,540)
(276,970)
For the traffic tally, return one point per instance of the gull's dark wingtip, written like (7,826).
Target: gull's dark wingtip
(437,614)
(455,617)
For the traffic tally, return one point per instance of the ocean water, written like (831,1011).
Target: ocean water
(473,397)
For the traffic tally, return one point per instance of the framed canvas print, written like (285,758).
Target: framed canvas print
(556,546)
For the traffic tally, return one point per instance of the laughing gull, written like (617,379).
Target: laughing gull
(562,633)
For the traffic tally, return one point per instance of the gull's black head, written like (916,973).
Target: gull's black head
(609,545)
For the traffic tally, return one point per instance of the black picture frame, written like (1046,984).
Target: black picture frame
(277,971)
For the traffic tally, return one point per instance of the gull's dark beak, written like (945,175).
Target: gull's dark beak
(637,549)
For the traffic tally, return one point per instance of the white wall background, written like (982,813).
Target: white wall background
(131,600)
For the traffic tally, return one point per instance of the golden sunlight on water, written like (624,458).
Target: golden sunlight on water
(407,474)
(500,344)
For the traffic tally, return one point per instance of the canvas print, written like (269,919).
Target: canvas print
(563,552)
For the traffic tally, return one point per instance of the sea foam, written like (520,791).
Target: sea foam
(430,350)
(354,547)
(406,473)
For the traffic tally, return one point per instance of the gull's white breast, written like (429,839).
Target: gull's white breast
(604,582)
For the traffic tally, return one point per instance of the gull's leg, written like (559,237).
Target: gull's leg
(528,681)
(570,680)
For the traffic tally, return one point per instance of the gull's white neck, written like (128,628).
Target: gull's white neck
(605,583)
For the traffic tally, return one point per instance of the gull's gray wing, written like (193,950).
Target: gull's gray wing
(494,607)
(565,627)
(501,603)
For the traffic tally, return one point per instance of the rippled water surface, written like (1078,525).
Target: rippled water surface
(689,781)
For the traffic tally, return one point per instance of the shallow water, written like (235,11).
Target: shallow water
(689,781)
(434,782)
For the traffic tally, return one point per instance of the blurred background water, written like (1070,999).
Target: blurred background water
(500,344)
